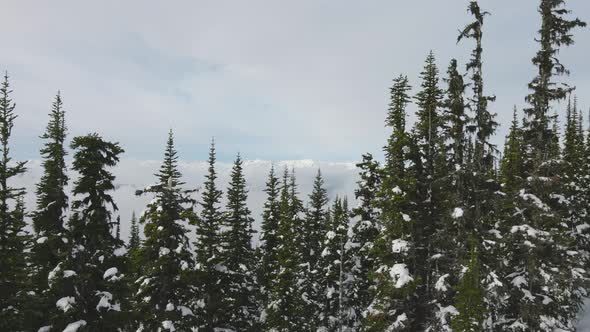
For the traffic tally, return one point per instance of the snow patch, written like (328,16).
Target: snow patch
(110,273)
(400,275)
(399,246)
(73,327)
(121,251)
(65,303)
(168,325)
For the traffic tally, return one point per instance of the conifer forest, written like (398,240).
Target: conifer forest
(447,232)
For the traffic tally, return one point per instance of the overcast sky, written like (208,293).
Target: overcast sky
(272,79)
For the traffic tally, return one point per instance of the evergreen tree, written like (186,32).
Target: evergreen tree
(481,201)
(134,238)
(311,234)
(555,32)
(165,293)
(91,278)
(484,125)
(429,167)
(48,220)
(540,274)
(359,249)
(239,256)
(447,240)
(269,237)
(211,273)
(284,310)
(13,238)
(512,161)
(470,296)
(332,274)
(394,304)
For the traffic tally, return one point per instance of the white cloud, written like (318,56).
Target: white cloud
(340,179)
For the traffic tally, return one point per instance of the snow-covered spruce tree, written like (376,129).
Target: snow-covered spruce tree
(284,310)
(13,239)
(239,257)
(332,274)
(91,277)
(134,238)
(359,253)
(211,273)
(482,201)
(269,238)
(48,219)
(429,167)
(470,295)
(394,302)
(540,274)
(449,235)
(556,32)
(164,292)
(511,166)
(312,231)
(133,252)
(577,206)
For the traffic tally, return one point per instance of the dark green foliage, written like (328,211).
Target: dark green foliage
(512,161)
(393,272)
(484,125)
(332,274)
(284,310)
(134,238)
(269,237)
(470,296)
(90,281)
(360,255)
(555,32)
(48,220)
(311,234)
(211,273)
(13,239)
(239,257)
(164,294)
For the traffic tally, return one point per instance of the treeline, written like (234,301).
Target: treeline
(449,234)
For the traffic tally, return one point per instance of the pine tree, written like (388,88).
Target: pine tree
(555,32)
(13,238)
(359,249)
(394,270)
(269,238)
(470,296)
(284,310)
(211,273)
(134,238)
(239,256)
(91,277)
(481,203)
(512,161)
(429,163)
(164,295)
(484,125)
(449,235)
(48,220)
(332,273)
(312,232)
(540,274)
